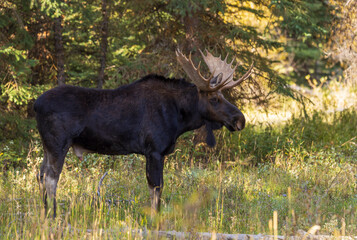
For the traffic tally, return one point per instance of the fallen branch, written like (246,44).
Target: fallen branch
(350,141)
(100,184)
(223,236)
(147,234)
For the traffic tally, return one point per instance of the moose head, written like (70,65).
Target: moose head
(215,109)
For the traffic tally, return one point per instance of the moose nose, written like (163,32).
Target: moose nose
(240,123)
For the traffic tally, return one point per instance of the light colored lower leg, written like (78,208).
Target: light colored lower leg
(155,200)
(51,186)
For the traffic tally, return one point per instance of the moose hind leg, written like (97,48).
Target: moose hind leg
(50,171)
(57,131)
(154,175)
(40,179)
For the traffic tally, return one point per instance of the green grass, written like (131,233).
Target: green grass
(305,168)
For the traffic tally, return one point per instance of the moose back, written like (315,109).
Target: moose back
(144,117)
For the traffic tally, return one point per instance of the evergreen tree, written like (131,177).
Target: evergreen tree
(343,43)
(306,25)
(103,41)
(136,39)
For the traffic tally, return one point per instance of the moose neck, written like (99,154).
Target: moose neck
(194,115)
(190,113)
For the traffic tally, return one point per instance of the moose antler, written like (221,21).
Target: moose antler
(194,73)
(221,70)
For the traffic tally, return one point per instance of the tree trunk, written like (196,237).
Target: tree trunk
(190,22)
(103,43)
(59,50)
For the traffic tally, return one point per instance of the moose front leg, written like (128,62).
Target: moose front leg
(154,175)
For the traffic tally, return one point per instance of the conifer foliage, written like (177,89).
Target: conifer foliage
(103,43)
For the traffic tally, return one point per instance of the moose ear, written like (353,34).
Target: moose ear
(210,139)
(216,80)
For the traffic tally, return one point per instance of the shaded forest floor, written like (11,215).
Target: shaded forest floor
(302,167)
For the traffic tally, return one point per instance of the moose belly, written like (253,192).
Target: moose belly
(87,142)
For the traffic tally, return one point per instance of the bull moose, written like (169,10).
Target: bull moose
(144,117)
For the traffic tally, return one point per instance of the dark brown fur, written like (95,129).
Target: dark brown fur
(145,117)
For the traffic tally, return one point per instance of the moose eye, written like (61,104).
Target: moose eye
(214,100)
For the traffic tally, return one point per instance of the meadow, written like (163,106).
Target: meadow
(299,161)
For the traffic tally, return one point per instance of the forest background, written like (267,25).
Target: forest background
(301,98)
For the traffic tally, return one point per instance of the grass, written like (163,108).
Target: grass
(304,168)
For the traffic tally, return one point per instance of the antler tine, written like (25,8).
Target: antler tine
(225,60)
(232,83)
(232,63)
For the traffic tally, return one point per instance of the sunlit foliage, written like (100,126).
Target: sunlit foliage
(142,39)
(344,41)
